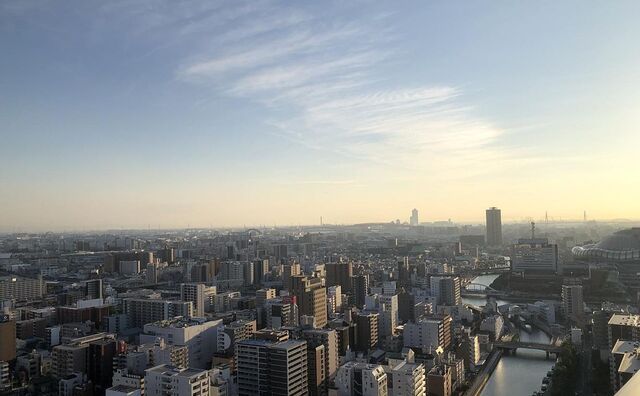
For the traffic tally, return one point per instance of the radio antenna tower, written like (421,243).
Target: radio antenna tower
(533,230)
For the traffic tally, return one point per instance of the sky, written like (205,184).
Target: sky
(145,113)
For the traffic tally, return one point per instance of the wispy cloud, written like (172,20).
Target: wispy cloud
(327,78)
(322,182)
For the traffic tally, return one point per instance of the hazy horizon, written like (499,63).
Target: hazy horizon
(540,224)
(131,114)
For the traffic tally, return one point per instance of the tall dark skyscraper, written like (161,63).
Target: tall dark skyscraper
(494,227)
(93,289)
(260,270)
(404,273)
(360,289)
(339,274)
(367,330)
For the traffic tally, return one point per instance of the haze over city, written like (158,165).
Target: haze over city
(148,114)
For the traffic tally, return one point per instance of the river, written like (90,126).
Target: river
(522,373)
(519,374)
(481,301)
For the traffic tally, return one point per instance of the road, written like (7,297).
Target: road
(584,378)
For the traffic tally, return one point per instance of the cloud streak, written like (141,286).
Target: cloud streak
(328,80)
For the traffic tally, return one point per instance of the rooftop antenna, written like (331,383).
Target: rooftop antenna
(533,230)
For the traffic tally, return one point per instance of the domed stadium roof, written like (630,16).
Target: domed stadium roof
(621,240)
(623,245)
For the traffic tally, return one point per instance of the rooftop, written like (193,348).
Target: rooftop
(625,320)
(623,347)
(123,389)
(180,322)
(630,363)
(166,369)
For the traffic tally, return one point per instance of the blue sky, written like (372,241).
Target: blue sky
(131,113)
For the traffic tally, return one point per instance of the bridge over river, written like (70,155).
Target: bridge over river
(513,345)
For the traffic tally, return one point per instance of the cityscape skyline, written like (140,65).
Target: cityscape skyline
(135,113)
(362,198)
(403,221)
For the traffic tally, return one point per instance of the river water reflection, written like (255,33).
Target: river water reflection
(519,374)
(522,373)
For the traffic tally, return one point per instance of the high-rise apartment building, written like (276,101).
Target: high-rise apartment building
(360,289)
(272,368)
(623,327)
(90,355)
(429,333)
(413,220)
(328,339)
(334,299)
(439,381)
(222,301)
(139,358)
(404,273)
(264,295)
(406,304)
(152,273)
(197,334)
(248,273)
(233,272)
(316,371)
(494,226)
(623,331)
(279,313)
(367,331)
(387,306)
(311,297)
(194,292)
(446,290)
(534,255)
(409,379)
(625,363)
(7,340)
(361,379)
(260,270)
(289,271)
(165,380)
(339,274)
(573,303)
(93,289)
(100,363)
(21,289)
(470,349)
(141,311)
(230,334)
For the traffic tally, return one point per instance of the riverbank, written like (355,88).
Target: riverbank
(481,380)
